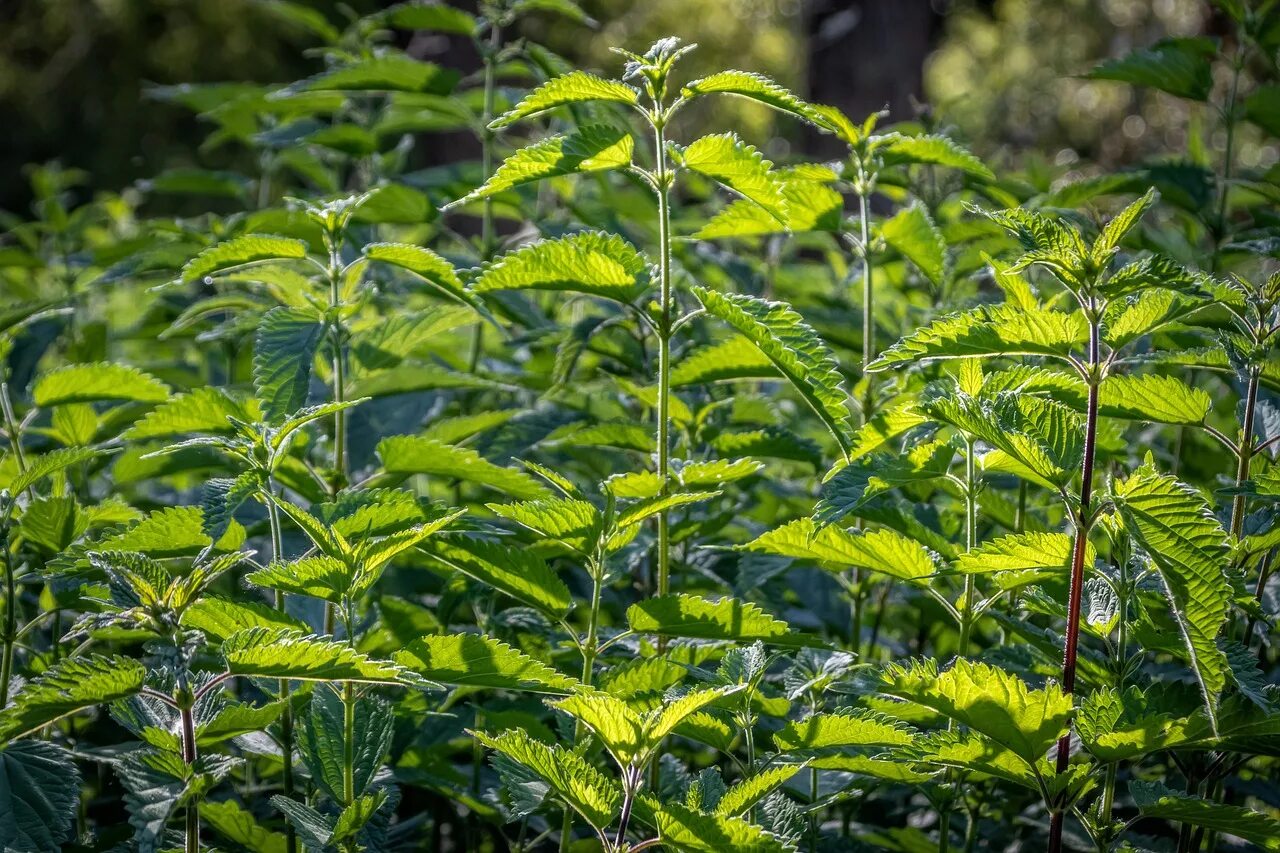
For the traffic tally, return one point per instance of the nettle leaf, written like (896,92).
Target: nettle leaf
(39,795)
(47,464)
(810,206)
(884,551)
(822,735)
(514,571)
(743,796)
(236,824)
(1047,554)
(590,262)
(591,149)
(1179,66)
(1121,224)
(89,383)
(692,831)
(568,520)
(726,159)
(1160,399)
(393,72)
(934,150)
(318,576)
(474,660)
(1155,800)
(284,354)
(1034,438)
(573,88)
(682,615)
(568,775)
(795,350)
(267,653)
(995,703)
(204,410)
(735,358)
(989,330)
(852,486)
(219,618)
(428,15)
(240,252)
(758,88)
(69,686)
(423,263)
(408,454)
(912,233)
(1145,313)
(1187,545)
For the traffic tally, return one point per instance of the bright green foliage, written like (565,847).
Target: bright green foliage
(87,383)
(240,252)
(572,88)
(729,161)
(591,262)
(69,687)
(473,660)
(266,653)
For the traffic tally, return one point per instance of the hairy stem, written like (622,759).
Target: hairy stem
(348,743)
(1083,523)
(10,615)
(286,718)
(664,354)
(189,758)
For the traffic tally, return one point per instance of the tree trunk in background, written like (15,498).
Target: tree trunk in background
(868,55)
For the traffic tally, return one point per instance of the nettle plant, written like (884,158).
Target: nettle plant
(482,506)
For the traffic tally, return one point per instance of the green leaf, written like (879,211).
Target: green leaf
(724,158)
(988,330)
(682,615)
(988,700)
(1148,312)
(407,454)
(284,354)
(1179,66)
(234,823)
(46,464)
(1154,800)
(810,206)
(619,728)
(318,576)
(573,88)
(511,570)
(204,410)
(935,150)
(823,735)
(389,73)
(222,617)
(912,233)
(425,264)
(1262,107)
(1121,224)
(851,487)
(744,795)
(884,551)
(89,383)
(267,653)
(590,262)
(39,796)
(591,149)
(1158,399)
(735,358)
(570,777)
(1178,531)
(69,686)
(314,830)
(690,831)
(758,88)
(475,660)
(795,350)
(567,520)
(1047,554)
(240,252)
(428,15)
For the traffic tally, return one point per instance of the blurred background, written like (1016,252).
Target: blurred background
(1002,74)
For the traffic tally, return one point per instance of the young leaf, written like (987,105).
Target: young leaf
(727,160)
(240,252)
(89,383)
(573,88)
(758,88)
(407,454)
(690,831)
(574,781)
(474,660)
(913,234)
(423,263)
(743,796)
(794,348)
(590,262)
(1159,399)
(267,653)
(590,149)
(935,150)
(884,551)
(1188,547)
(988,331)
(510,570)
(681,615)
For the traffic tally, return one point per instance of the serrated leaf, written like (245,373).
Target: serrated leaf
(1176,528)
(407,454)
(590,149)
(475,660)
(1159,399)
(912,233)
(427,265)
(988,331)
(744,795)
(884,551)
(268,653)
(89,383)
(1040,553)
(284,355)
(69,686)
(827,734)
(724,158)
(794,348)
(810,206)
(242,251)
(46,464)
(735,358)
(1179,66)
(758,88)
(387,73)
(935,150)
(691,831)
(1121,224)
(39,796)
(1155,800)
(574,781)
(988,700)
(682,615)
(619,728)
(573,88)
(510,570)
(590,262)
(204,410)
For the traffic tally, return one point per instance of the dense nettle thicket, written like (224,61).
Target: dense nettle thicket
(623,490)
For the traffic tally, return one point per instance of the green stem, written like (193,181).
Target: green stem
(10,617)
(189,758)
(664,358)
(11,427)
(1244,454)
(348,743)
(488,242)
(286,718)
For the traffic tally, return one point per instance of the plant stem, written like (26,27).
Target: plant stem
(339,366)
(1083,523)
(488,244)
(11,427)
(286,718)
(664,352)
(189,758)
(10,615)
(348,743)
(1244,454)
